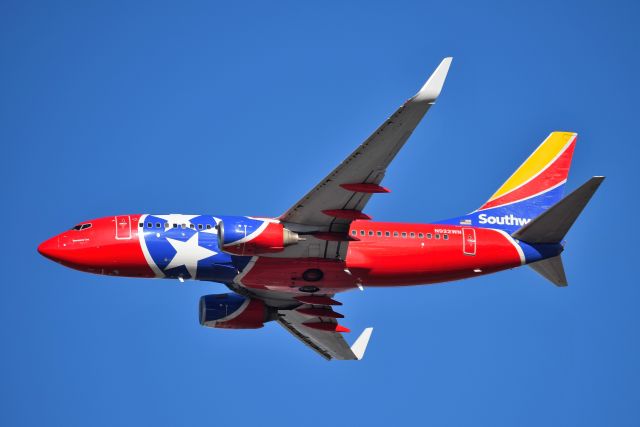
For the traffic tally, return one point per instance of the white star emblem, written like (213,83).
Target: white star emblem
(188,254)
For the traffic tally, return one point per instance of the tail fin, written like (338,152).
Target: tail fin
(533,188)
(552,225)
(539,181)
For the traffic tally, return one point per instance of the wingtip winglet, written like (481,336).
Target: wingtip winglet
(360,345)
(432,88)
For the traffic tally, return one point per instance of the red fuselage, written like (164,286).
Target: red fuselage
(380,254)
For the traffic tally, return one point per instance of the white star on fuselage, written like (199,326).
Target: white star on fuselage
(188,254)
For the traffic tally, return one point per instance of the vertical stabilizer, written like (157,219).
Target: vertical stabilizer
(533,188)
(532,185)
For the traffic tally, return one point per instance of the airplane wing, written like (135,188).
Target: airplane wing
(324,214)
(342,195)
(327,342)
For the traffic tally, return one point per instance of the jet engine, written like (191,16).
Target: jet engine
(233,311)
(252,236)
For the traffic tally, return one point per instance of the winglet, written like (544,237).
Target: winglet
(358,348)
(433,86)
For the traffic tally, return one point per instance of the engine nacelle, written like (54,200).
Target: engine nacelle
(252,236)
(233,311)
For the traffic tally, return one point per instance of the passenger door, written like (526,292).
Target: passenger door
(469,241)
(123,227)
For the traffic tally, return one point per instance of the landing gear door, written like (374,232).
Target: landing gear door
(469,241)
(123,227)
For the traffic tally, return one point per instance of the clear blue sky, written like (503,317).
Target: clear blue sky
(207,107)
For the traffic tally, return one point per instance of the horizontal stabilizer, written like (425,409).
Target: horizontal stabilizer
(553,224)
(552,270)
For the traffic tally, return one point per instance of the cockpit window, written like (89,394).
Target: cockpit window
(81,227)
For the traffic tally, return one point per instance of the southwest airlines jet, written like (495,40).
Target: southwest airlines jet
(290,268)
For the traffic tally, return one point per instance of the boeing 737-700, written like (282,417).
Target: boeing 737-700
(289,269)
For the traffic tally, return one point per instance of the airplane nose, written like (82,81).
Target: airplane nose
(49,248)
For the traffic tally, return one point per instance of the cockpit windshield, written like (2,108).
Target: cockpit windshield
(81,227)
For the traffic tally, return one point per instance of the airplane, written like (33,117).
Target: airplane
(288,269)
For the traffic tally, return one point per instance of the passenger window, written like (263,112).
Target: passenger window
(199,226)
(175,225)
(420,235)
(141,224)
(428,235)
(157,225)
(149,225)
(404,234)
(184,226)
(387,234)
(370,232)
(379,233)
(362,232)
(445,237)
(208,226)
(437,236)
(412,235)
(354,232)
(192,226)
(395,234)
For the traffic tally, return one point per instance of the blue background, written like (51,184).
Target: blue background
(204,107)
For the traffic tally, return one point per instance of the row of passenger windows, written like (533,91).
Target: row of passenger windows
(167,225)
(404,234)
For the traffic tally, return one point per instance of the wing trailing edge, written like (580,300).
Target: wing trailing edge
(327,342)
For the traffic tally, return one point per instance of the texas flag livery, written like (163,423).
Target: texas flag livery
(289,269)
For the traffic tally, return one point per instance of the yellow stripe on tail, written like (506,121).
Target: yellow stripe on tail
(536,163)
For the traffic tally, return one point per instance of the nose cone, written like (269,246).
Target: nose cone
(49,248)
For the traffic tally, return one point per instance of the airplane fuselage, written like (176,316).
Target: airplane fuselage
(378,254)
